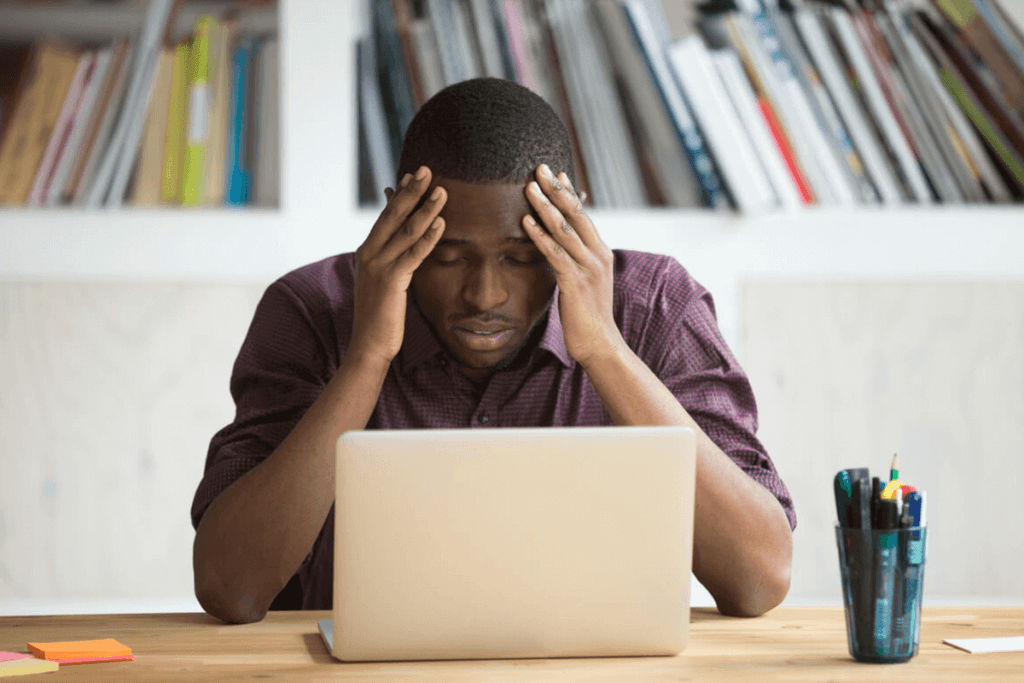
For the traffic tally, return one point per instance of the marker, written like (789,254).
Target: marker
(894,470)
(885,577)
(844,494)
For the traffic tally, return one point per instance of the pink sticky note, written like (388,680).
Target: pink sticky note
(8,656)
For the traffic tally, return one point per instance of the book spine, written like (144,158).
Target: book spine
(863,137)
(170,187)
(691,137)
(725,135)
(238,178)
(59,136)
(782,143)
(740,91)
(197,126)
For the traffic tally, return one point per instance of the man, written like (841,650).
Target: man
(483,297)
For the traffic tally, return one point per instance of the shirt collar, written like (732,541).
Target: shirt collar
(420,345)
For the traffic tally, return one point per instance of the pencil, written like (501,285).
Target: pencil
(894,470)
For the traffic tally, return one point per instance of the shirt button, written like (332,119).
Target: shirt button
(484,419)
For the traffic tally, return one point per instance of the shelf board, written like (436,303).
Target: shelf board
(261,244)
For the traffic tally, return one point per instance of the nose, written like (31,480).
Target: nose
(485,289)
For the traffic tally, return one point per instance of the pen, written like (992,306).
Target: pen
(894,470)
(885,579)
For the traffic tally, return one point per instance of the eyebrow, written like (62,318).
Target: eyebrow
(449,242)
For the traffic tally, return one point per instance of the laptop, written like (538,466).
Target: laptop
(512,543)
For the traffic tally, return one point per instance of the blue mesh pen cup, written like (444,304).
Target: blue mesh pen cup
(882,572)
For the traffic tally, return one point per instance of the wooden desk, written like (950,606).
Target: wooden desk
(787,644)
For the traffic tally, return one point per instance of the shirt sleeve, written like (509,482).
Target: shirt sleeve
(281,369)
(687,352)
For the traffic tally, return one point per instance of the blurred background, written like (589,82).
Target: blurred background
(845,179)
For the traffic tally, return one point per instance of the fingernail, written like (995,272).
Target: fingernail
(546,172)
(436,193)
(530,221)
(421,173)
(565,179)
(405,180)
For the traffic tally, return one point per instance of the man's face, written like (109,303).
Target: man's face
(485,285)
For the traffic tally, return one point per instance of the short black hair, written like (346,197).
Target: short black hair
(486,130)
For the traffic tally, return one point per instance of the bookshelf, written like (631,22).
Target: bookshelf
(319,214)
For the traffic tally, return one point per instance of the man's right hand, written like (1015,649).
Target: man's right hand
(385,262)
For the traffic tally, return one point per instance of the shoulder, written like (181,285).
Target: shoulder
(322,284)
(653,280)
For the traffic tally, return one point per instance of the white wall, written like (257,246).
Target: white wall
(111,392)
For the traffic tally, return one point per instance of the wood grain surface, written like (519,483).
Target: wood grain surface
(787,644)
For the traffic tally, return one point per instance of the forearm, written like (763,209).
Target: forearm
(256,533)
(742,544)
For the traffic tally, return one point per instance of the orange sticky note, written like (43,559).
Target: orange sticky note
(81,650)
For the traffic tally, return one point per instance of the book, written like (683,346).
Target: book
(993,108)
(908,167)
(744,100)
(536,21)
(862,133)
(809,141)
(174,138)
(428,56)
(239,162)
(267,177)
(372,122)
(404,29)
(221,43)
(395,90)
(731,146)
(463,36)
(653,51)
(973,105)
(44,85)
(963,137)
(906,111)
(673,179)
(443,24)
(119,156)
(197,113)
(985,43)
(487,38)
(78,127)
(99,127)
(954,168)
(149,176)
(821,101)
(61,130)
(610,159)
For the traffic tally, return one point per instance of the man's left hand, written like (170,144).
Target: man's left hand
(582,263)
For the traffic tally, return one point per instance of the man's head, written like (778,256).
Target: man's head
(485,286)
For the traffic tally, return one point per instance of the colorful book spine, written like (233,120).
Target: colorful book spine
(170,188)
(197,128)
(239,166)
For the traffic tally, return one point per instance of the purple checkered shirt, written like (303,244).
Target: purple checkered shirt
(303,324)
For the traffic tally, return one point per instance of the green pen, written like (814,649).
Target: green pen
(894,469)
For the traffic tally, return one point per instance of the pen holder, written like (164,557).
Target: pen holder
(882,573)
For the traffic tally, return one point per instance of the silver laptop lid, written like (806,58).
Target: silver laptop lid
(527,542)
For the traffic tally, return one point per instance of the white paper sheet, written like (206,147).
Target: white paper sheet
(976,645)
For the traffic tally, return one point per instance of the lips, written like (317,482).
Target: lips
(483,337)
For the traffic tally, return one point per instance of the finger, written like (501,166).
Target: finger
(557,224)
(415,227)
(412,257)
(395,214)
(561,194)
(560,260)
